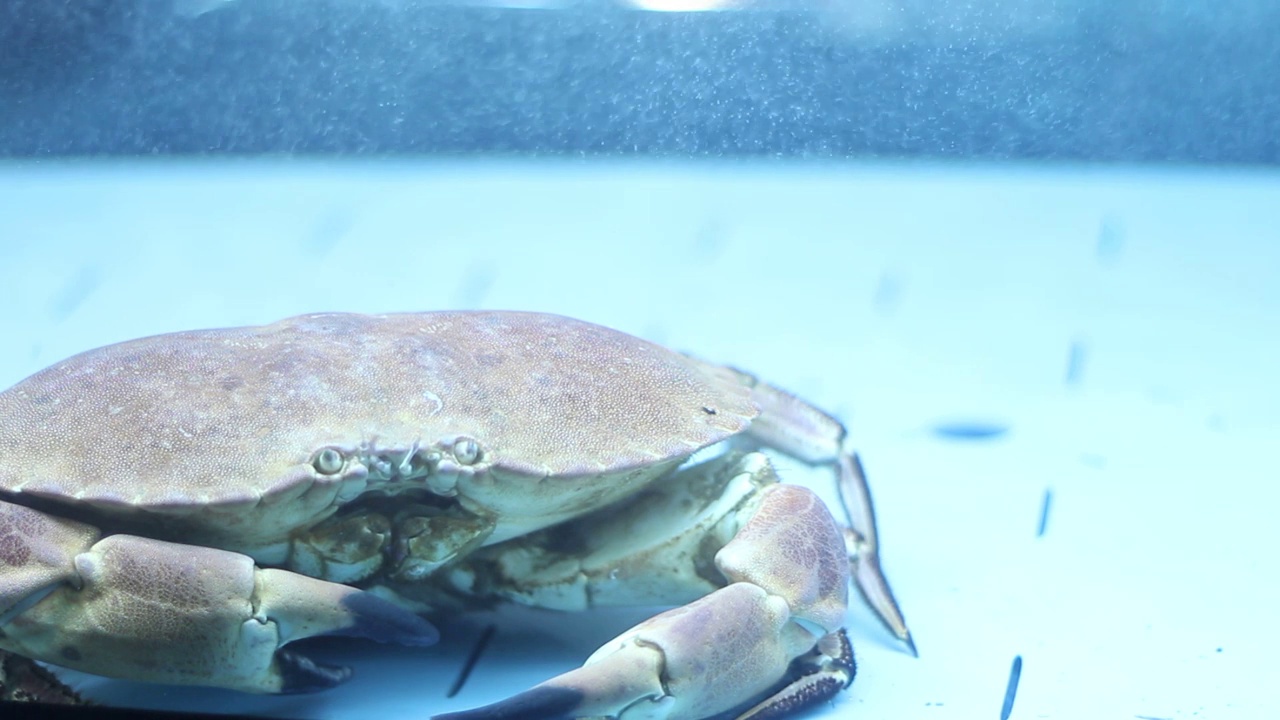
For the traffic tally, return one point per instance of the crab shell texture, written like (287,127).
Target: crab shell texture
(212,437)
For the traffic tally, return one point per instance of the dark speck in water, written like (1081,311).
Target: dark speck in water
(472,659)
(1075,362)
(1045,503)
(475,285)
(324,237)
(709,241)
(75,292)
(1110,240)
(970,430)
(1011,689)
(888,294)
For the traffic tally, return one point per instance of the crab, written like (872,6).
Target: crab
(180,508)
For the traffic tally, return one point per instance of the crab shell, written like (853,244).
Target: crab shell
(219,437)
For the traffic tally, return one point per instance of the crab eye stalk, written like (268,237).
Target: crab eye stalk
(466,450)
(328,462)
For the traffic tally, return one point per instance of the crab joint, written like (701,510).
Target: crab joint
(429,537)
(167,612)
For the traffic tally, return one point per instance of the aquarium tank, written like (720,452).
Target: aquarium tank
(485,359)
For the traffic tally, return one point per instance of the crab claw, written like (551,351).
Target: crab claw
(810,435)
(761,645)
(142,609)
(690,662)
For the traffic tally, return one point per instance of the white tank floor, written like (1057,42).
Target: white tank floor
(1109,338)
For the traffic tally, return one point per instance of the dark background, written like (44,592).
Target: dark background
(128,77)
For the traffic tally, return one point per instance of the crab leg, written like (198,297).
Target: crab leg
(798,429)
(23,680)
(767,642)
(141,609)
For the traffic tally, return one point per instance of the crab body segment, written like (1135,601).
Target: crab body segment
(179,508)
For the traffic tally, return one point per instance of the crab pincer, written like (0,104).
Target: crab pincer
(767,643)
(166,612)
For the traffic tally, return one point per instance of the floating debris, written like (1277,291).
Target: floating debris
(887,295)
(1044,512)
(78,289)
(710,239)
(1075,362)
(1110,240)
(970,430)
(1011,690)
(474,285)
(472,659)
(327,233)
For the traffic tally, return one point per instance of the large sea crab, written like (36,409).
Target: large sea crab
(179,508)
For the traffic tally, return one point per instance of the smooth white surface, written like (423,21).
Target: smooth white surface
(897,297)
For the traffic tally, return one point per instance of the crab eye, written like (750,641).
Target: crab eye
(466,450)
(327,462)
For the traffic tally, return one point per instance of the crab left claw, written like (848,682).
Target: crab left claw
(144,609)
(767,644)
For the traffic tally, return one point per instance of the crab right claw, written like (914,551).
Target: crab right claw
(142,609)
(763,646)
(810,435)
(694,661)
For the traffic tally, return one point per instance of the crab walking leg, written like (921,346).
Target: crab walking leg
(784,594)
(863,553)
(141,609)
(800,430)
(656,548)
(24,680)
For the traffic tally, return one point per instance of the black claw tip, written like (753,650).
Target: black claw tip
(806,693)
(540,703)
(382,621)
(300,674)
